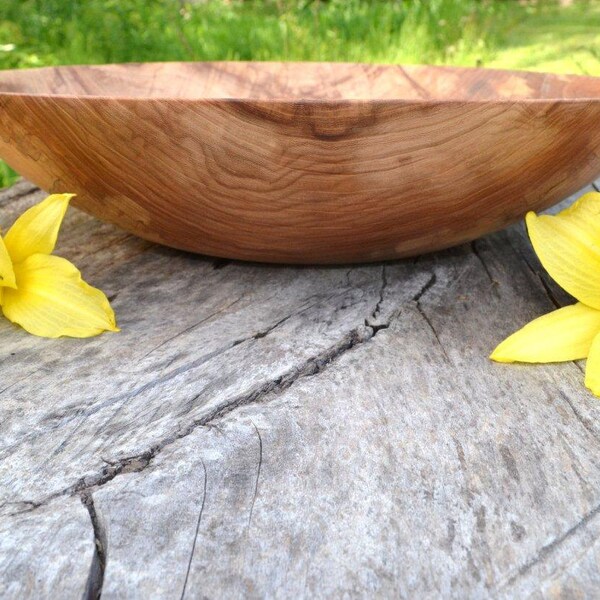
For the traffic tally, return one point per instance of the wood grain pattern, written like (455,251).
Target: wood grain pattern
(302,163)
(289,432)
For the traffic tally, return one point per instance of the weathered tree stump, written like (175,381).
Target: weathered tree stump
(285,432)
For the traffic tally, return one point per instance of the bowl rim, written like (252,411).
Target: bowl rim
(299,100)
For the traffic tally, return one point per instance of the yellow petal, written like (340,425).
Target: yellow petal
(564,334)
(36,230)
(592,368)
(7,273)
(568,246)
(51,300)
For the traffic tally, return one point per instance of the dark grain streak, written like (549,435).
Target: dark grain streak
(545,551)
(260,461)
(588,424)
(189,566)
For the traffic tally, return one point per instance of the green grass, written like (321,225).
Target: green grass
(97,31)
(7,175)
(554,39)
(504,33)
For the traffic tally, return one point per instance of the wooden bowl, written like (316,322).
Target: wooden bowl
(302,162)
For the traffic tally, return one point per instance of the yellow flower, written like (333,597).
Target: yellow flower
(44,293)
(568,246)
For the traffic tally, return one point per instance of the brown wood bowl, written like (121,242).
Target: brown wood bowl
(302,162)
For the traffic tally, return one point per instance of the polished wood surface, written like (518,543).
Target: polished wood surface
(302,162)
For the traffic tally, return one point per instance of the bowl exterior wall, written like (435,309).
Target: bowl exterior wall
(304,182)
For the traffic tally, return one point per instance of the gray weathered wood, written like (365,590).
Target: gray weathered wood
(48,553)
(264,431)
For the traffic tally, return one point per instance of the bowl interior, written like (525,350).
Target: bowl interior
(295,81)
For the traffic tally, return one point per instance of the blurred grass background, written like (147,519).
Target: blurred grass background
(549,35)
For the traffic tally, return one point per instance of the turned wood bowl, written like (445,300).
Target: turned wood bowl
(302,162)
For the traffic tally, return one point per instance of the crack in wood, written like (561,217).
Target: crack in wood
(195,363)
(265,332)
(428,285)
(384,283)
(261,393)
(417,300)
(435,333)
(312,366)
(548,291)
(480,258)
(98,565)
